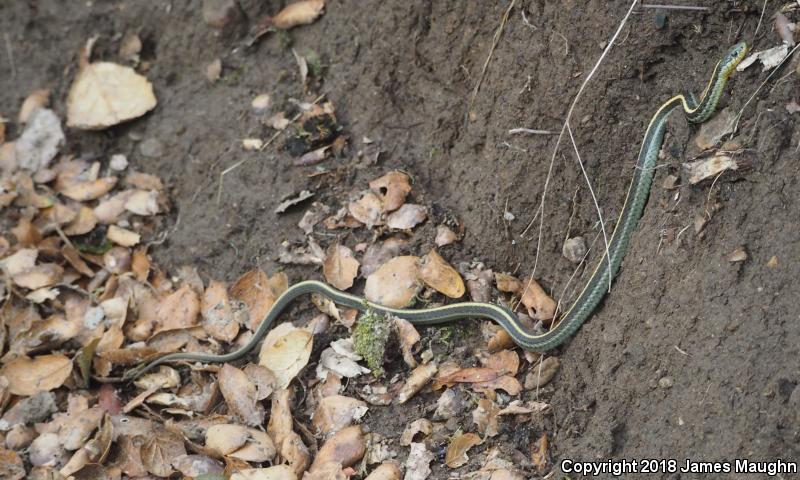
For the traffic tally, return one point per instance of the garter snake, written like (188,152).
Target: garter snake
(597,285)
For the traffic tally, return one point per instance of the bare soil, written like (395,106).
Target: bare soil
(724,335)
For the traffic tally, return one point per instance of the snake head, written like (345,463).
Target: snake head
(734,55)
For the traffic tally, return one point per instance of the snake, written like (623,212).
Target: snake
(695,111)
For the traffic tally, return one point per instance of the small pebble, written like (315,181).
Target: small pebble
(738,255)
(260,105)
(152,147)
(118,162)
(665,382)
(574,249)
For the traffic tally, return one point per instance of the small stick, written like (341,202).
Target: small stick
(675,7)
(530,131)
(10,53)
(495,41)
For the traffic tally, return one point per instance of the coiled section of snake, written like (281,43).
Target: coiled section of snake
(591,295)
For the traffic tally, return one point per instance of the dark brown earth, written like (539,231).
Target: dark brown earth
(402,73)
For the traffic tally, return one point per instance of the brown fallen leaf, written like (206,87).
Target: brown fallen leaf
(456,455)
(286,351)
(336,412)
(413,429)
(418,462)
(408,336)
(386,471)
(240,395)
(367,210)
(90,189)
(28,376)
(439,275)
(35,99)
(159,450)
(298,13)
(224,439)
(485,417)
(395,284)
(445,236)
(393,187)
(277,472)
(379,253)
(122,236)
(345,447)
(218,318)
(541,373)
(178,310)
(407,217)
(42,275)
(104,94)
(340,267)
(539,304)
(539,453)
(259,293)
(419,377)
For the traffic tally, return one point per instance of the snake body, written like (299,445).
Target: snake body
(591,295)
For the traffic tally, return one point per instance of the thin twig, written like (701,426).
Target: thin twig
(10,53)
(530,131)
(266,144)
(564,128)
(760,18)
(495,41)
(675,7)
(594,199)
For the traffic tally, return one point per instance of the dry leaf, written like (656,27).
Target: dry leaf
(379,253)
(123,237)
(39,142)
(421,425)
(367,210)
(393,187)
(418,462)
(298,13)
(386,471)
(336,412)
(90,189)
(419,377)
(278,472)
(439,275)
(224,439)
(178,310)
(36,99)
(28,376)
(539,452)
(218,317)
(159,450)
(105,94)
(444,236)
(259,448)
(539,304)
(542,373)
(345,447)
(395,284)
(408,337)
(341,360)
(196,465)
(507,283)
(259,292)
(286,351)
(485,417)
(340,268)
(407,217)
(456,455)
(142,202)
(240,395)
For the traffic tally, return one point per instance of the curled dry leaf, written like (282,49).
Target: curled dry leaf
(386,471)
(341,360)
(445,236)
(395,283)
(224,439)
(367,210)
(485,417)
(286,351)
(539,452)
(36,99)
(218,318)
(539,304)
(259,293)
(456,455)
(507,283)
(240,395)
(407,217)
(196,465)
(419,377)
(105,94)
(340,267)
(298,13)
(393,187)
(420,425)
(336,412)
(408,336)
(439,275)
(345,447)
(90,189)
(29,376)
(418,462)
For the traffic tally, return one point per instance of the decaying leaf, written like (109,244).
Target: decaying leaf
(395,284)
(105,94)
(439,275)
(393,187)
(240,395)
(419,377)
(445,236)
(340,359)
(485,417)
(413,429)
(36,99)
(456,455)
(278,472)
(218,318)
(298,13)
(286,351)
(539,304)
(367,210)
(28,376)
(539,453)
(418,462)
(159,450)
(336,412)
(345,447)
(259,292)
(386,471)
(178,310)
(407,217)
(542,373)
(340,267)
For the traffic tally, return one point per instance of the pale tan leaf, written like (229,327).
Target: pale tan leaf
(298,13)
(456,455)
(439,275)
(240,395)
(122,236)
(178,310)
(407,217)
(367,210)
(278,472)
(393,187)
(218,318)
(340,267)
(105,94)
(539,304)
(395,284)
(28,376)
(286,351)
(336,412)
(35,99)
(346,447)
